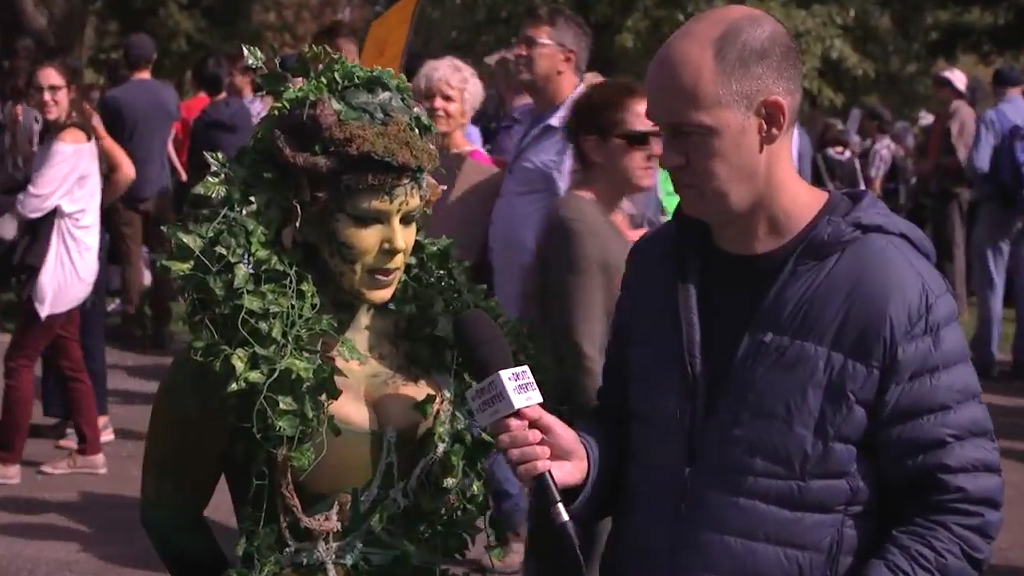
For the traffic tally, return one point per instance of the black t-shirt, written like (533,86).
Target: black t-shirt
(139,115)
(731,290)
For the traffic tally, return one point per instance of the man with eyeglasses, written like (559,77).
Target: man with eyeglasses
(551,54)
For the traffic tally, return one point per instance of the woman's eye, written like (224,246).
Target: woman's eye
(360,220)
(410,219)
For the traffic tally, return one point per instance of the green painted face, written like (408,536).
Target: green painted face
(367,243)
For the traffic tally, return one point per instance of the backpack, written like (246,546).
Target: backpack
(1006,171)
(897,181)
(836,174)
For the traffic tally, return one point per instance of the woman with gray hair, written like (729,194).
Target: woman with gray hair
(452,92)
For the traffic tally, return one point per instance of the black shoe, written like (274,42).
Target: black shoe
(1016,371)
(161,341)
(985,370)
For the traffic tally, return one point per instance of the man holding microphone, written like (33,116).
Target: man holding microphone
(787,390)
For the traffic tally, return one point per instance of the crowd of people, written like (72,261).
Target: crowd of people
(798,347)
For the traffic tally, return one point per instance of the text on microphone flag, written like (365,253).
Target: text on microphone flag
(502,394)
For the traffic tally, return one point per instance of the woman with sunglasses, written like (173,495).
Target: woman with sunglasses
(61,208)
(582,254)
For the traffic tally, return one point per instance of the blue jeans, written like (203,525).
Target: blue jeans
(510,506)
(94,349)
(508,495)
(997,248)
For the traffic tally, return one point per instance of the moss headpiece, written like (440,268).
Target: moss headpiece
(346,127)
(255,317)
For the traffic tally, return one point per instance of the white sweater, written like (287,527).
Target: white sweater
(66,177)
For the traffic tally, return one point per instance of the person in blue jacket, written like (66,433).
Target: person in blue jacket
(787,390)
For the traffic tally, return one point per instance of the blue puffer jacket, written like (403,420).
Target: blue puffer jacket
(851,439)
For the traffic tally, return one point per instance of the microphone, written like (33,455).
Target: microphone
(501,389)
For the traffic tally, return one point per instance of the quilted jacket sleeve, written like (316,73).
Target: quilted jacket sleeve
(939,466)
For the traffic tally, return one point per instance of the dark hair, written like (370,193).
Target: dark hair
(878,113)
(567,29)
(88,90)
(25,49)
(79,114)
(137,62)
(115,73)
(211,74)
(755,56)
(196,70)
(940,82)
(335,30)
(833,133)
(236,59)
(599,112)
(17,75)
(413,62)
(976,90)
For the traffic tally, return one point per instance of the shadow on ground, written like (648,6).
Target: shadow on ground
(1004,571)
(1008,420)
(1004,386)
(106,527)
(122,397)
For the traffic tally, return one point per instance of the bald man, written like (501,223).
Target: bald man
(786,390)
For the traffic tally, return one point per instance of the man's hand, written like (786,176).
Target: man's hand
(535,442)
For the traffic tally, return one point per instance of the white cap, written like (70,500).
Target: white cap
(957,78)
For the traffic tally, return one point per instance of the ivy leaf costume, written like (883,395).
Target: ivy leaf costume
(249,399)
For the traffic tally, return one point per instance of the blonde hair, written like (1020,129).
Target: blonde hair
(455,73)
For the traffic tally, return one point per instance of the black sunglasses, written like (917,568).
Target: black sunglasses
(639,138)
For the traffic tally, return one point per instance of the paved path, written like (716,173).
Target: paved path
(85,526)
(89,526)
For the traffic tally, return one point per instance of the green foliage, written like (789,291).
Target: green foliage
(255,316)
(853,49)
(356,93)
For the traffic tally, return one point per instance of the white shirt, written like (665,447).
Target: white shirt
(66,178)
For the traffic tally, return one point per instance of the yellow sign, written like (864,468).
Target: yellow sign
(388,35)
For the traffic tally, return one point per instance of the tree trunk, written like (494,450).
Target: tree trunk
(51,24)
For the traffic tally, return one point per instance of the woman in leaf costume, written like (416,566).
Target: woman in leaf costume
(321,381)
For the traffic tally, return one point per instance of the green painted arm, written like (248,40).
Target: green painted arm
(186,447)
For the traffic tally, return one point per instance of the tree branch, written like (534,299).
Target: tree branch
(35,19)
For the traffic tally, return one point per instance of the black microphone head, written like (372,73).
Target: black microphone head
(482,344)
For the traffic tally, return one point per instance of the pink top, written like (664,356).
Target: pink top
(66,178)
(480,156)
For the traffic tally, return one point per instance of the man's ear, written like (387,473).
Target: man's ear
(591,147)
(774,116)
(569,57)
